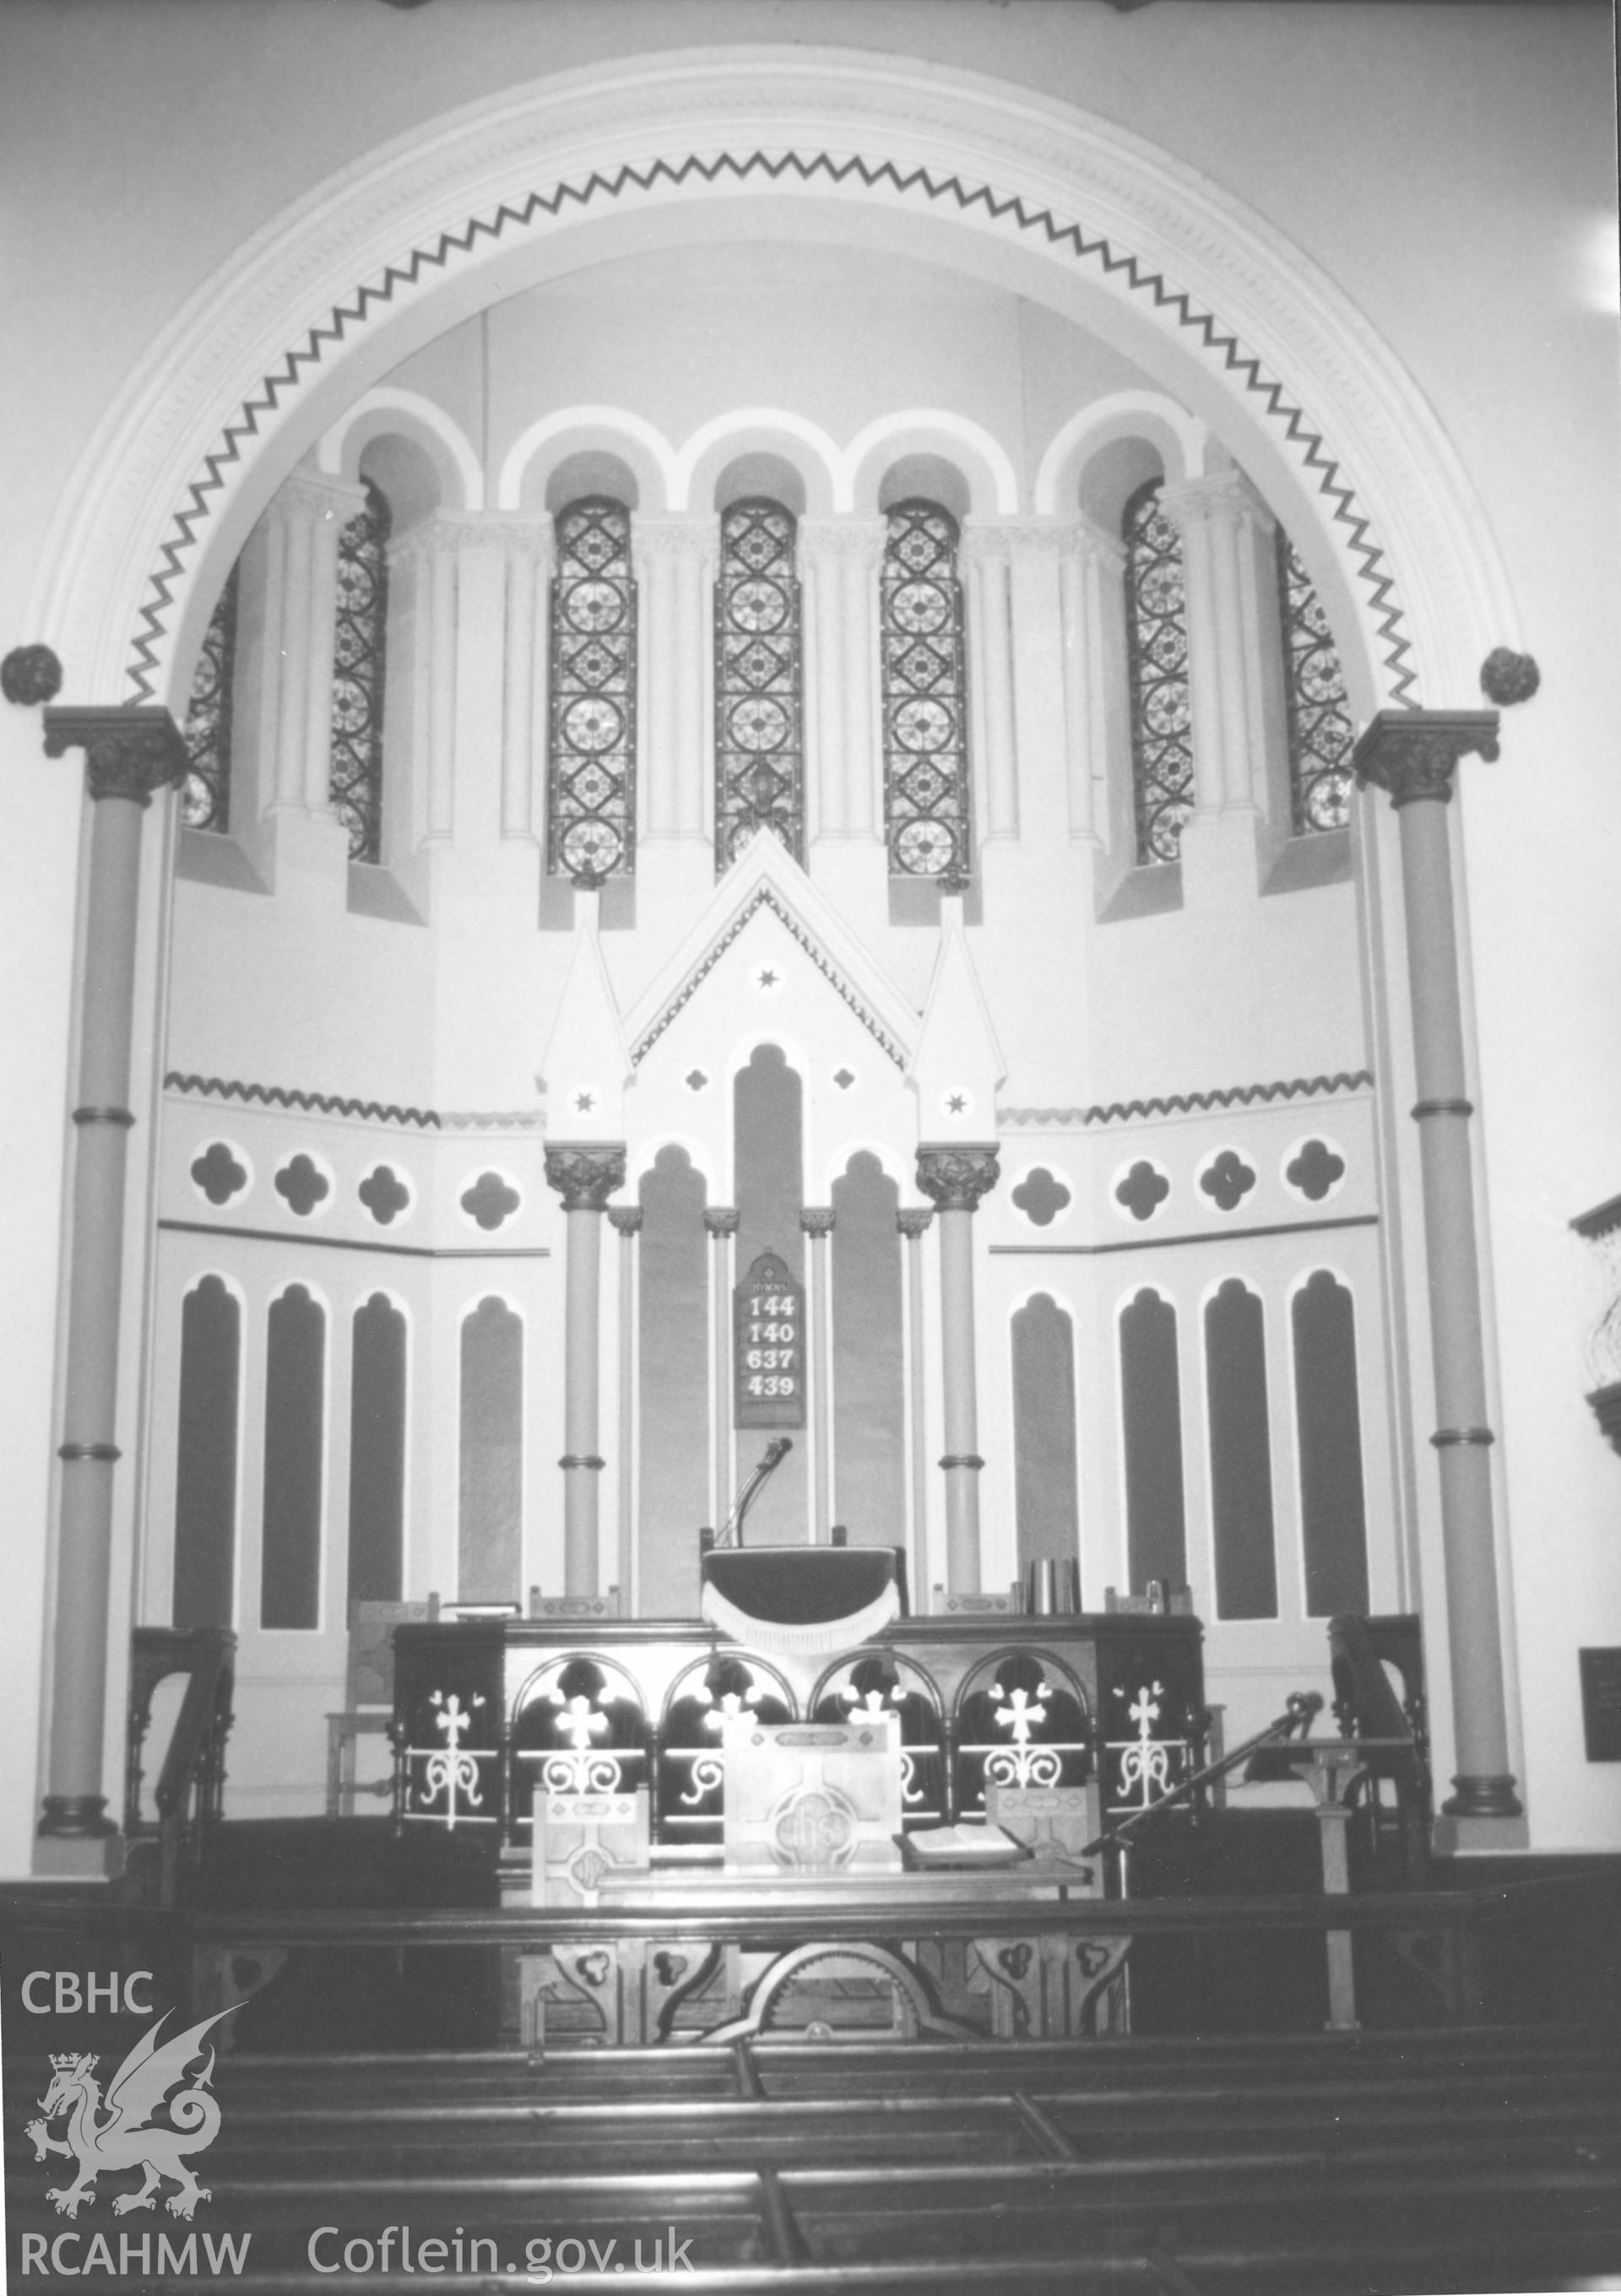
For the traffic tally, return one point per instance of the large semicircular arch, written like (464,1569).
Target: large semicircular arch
(331,293)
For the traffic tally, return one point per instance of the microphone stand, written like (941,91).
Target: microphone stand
(731,1529)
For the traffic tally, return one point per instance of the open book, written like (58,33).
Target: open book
(957,1845)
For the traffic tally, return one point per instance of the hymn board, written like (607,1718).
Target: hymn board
(769,1346)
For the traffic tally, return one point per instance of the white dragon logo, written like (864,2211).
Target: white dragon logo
(127,2138)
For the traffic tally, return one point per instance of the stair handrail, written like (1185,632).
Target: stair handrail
(190,1792)
(1299,1713)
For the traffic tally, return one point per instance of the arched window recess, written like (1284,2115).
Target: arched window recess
(358,664)
(1320,730)
(1156,659)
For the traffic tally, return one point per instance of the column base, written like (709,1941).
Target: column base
(1479,1837)
(77,1841)
(1488,1796)
(74,1816)
(1484,1815)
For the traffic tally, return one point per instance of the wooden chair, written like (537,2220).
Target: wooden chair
(368,1707)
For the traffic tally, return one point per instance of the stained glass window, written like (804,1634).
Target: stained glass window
(359,657)
(758,682)
(926,740)
(1320,731)
(205,795)
(1156,641)
(592,802)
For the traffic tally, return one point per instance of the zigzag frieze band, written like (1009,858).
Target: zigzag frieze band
(1370,571)
(1190,1103)
(327,1104)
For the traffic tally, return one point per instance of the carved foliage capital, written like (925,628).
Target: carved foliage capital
(625,1220)
(816,1220)
(1413,753)
(128,753)
(913,1222)
(585,1174)
(956,1176)
(721,1219)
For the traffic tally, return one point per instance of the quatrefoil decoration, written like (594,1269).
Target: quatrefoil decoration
(1143,1190)
(302,1185)
(1227,1181)
(218,1175)
(1314,1171)
(384,1194)
(490,1201)
(1040,1196)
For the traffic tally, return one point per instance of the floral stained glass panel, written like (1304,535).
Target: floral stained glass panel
(591,800)
(926,744)
(758,682)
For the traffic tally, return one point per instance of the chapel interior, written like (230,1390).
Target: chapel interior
(818,1407)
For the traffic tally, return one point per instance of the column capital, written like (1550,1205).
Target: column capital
(1413,753)
(676,536)
(957,1173)
(860,539)
(128,753)
(625,1220)
(816,1221)
(914,1221)
(585,1174)
(1204,501)
(721,1219)
(314,496)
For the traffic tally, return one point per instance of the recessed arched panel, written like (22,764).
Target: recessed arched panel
(205,1467)
(490,1518)
(377,1452)
(868,1397)
(295,1429)
(1241,1454)
(1151,1423)
(1333,1516)
(674,1387)
(768,1114)
(1045,1503)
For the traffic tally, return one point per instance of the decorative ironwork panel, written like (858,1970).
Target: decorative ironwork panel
(1320,731)
(1157,636)
(205,794)
(591,813)
(758,683)
(924,685)
(359,661)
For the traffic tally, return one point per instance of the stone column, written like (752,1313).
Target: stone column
(128,753)
(531,555)
(913,1225)
(815,1222)
(1091,567)
(823,620)
(956,1177)
(584,1175)
(674,556)
(1413,754)
(626,1221)
(860,548)
(986,554)
(1234,649)
(309,514)
(720,1223)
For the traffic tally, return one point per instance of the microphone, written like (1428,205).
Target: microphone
(776,1452)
